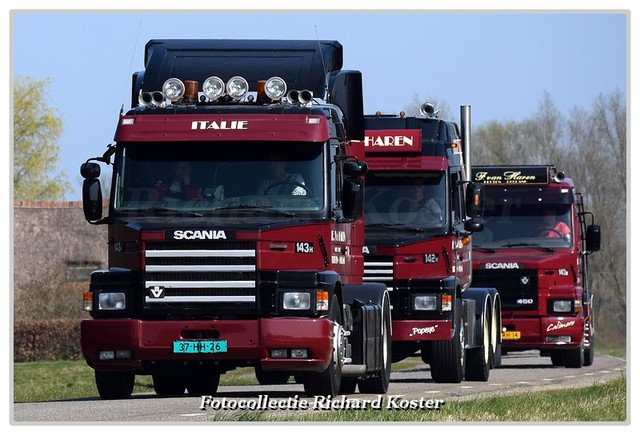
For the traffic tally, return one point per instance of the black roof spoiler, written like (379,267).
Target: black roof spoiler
(303,64)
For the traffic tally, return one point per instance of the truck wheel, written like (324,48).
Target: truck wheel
(557,358)
(589,352)
(379,383)
(271,378)
(479,358)
(204,383)
(589,342)
(448,356)
(327,382)
(348,385)
(574,358)
(496,337)
(114,385)
(168,384)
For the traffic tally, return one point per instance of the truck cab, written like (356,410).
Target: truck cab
(235,225)
(420,213)
(535,250)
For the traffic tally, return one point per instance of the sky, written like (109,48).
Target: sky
(499,62)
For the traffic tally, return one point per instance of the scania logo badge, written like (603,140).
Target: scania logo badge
(156,291)
(524,280)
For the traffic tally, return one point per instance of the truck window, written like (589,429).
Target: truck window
(517,216)
(406,200)
(213,177)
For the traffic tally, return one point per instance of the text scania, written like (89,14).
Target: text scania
(501,266)
(222,125)
(199,235)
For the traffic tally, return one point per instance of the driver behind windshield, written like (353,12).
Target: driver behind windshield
(281,182)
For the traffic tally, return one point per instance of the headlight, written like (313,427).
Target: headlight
(562,306)
(425,302)
(296,300)
(173,89)
(111,301)
(237,87)
(213,88)
(275,88)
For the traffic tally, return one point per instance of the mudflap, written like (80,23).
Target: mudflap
(476,300)
(366,303)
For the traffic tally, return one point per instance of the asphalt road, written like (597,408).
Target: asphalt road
(519,372)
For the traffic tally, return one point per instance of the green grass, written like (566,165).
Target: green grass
(602,403)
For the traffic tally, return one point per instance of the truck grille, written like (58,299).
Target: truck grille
(178,273)
(518,288)
(379,268)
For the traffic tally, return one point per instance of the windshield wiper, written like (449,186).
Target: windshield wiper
(260,208)
(532,245)
(173,210)
(396,227)
(482,248)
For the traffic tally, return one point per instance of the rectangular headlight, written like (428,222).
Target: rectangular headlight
(562,306)
(111,301)
(425,302)
(296,300)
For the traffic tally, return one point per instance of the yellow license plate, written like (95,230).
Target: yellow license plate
(511,335)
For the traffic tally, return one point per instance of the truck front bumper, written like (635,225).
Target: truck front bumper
(247,342)
(542,333)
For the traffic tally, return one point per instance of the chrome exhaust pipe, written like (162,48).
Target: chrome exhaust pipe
(155,98)
(558,177)
(304,97)
(428,110)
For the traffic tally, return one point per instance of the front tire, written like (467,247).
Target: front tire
(203,383)
(168,385)
(271,378)
(448,357)
(114,385)
(379,383)
(327,382)
(479,358)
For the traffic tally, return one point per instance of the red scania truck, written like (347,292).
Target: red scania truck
(235,227)
(535,250)
(420,212)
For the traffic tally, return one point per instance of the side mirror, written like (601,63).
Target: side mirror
(593,238)
(475,200)
(91,191)
(474,225)
(90,170)
(353,198)
(92,199)
(356,168)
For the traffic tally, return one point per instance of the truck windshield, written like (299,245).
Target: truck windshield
(403,201)
(221,177)
(526,216)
